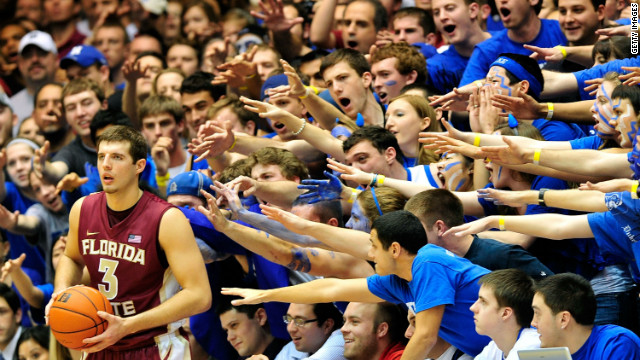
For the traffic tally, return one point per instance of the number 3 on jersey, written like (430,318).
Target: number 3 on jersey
(108,267)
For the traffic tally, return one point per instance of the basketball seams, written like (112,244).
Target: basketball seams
(85,296)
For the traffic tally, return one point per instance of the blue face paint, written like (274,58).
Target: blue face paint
(462,182)
(358,220)
(390,83)
(449,166)
(499,172)
(360,120)
(503,82)
(604,128)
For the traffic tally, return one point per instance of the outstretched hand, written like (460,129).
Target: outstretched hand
(503,197)
(470,228)
(321,190)
(213,213)
(274,18)
(350,173)
(291,221)
(511,154)
(249,296)
(522,106)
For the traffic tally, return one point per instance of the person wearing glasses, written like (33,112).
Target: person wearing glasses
(315,333)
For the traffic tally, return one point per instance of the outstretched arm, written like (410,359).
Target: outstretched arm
(322,23)
(317,291)
(579,200)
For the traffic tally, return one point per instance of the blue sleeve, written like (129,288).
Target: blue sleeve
(488,206)
(623,346)
(552,130)
(589,142)
(477,67)
(203,229)
(599,71)
(545,182)
(47,291)
(432,286)
(385,287)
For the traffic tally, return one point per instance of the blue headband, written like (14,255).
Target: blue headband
(375,200)
(28,142)
(518,71)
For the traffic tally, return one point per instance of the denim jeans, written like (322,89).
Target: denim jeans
(619,309)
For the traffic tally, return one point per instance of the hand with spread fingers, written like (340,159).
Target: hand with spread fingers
(321,190)
(512,154)
(213,213)
(290,221)
(273,16)
(350,173)
(506,197)
(70,182)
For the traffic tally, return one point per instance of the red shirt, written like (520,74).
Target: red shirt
(393,352)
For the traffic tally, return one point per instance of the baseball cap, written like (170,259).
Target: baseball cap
(157,7)
(4,100)
(272,82)
(83,55)
(189,183)
(40,39)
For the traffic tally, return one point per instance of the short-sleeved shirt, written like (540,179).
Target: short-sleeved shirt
(439,277)
(599,71)
(588,142)
(552,130)
(445,70)
(76,154)
(333,348)
(609,342)
(487,52)
(527,339)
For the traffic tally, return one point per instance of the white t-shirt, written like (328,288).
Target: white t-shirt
(451,351)
(529,339)
(332,349)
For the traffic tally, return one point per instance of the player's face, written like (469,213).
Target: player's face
(486,311)
(244,334)
(453,19)
(405,123)
(359,32)
(358,219)
(546,322)
(80,109)
(19,164)
(8,322)
(387,80)
(579,21)
(382,257)
(626,121)
(358,330)
(31,350)
(365,157)
(308,337)
(195,108)
(46,194)
(168,84)
(162,125)
(408,29)
(347,88)
(602,112)
(454,173)
(116,166)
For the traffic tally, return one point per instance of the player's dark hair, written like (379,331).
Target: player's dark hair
(326,311)
(353,58)
(436,204)
(569,292)
(38,333)
(380,138)
(402,227)
(104,118)
(201,81)
(631,93)
(120,133)
(425,19)
(512,288)
(395,316)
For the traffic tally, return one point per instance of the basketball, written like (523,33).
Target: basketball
(73,317)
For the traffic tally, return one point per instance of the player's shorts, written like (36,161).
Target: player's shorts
(172,346)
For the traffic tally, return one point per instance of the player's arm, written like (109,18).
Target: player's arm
(317,291)
(574,199)
(184,258)
(425,335)
(70,265)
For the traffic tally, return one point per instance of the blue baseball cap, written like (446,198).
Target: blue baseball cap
(272,82)
(83,55)
(190,183)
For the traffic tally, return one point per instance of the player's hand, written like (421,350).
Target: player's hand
(249,296)
(350,173)
(116,330)
(290,221)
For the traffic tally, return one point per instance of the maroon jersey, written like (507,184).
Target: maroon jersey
(126,262)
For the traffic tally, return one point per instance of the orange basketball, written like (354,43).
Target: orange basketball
(73,317)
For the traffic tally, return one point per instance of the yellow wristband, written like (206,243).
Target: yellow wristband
(243,88)
(306,93)
(315,89)
(354,196)
(563,50)
(549,111)
(234,143)
(536,156)
(634,188)
(478,83)
(476,140)
(501,223)
(380,180)
(163,180)
(250,76)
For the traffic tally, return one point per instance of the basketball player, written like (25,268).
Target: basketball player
(133,245)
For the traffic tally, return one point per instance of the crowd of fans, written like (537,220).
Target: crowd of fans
(391,178)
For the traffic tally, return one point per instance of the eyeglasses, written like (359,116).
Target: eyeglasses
(299,322)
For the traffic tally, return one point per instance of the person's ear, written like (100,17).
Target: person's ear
(600,13)
(250,127)
(506,313)
(485,11)
(104,73)
(424,124)
(523,86)
(367,79)
(474,10)
(382,330)
(390,155)
(411,77)
(332,222)
(441,227)
(261,316)
(438,113)
(327,326)
(431,39)
(396,249)
(563,318)
(140,164)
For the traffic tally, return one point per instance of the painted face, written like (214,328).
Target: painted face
(486,311)
(19,164)
(546,322)
(499,175)
(602,112)
(626,121)
(46,194)
(308,337)
(347,88)
(195,108)
(183,57)
(405,124)
(162,125)
(497,77)
(367,158)
(454,20)
(359,330)
(387,80)
(80,109)
(380,256)
(453,172)
(408,29)
(244,334)
(359,32)
(358,219)
(168,84)
(579,21)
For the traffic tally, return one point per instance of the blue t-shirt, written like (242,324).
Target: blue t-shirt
(439,277)
(609,342)
(592,142)
(617,231)
(552,130)
(599,71)
(445,70)
(487,51)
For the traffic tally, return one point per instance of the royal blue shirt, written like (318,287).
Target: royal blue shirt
(445,70)
(599,71)
(439,277)
(487,51)
(592,142)
(609,342)
(552,130)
